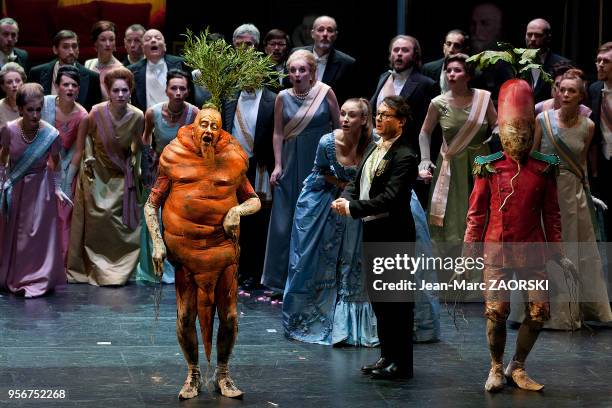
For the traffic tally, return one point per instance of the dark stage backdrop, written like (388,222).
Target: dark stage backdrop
(365,27)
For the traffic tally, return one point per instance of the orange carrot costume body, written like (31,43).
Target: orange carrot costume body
(198,188)
(200,194)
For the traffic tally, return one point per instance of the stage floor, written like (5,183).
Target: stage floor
(104,349)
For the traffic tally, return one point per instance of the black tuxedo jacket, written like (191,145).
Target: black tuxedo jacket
(338,72)
(433,69)
(139,69)
(89,92)
(22,58)
(418,92)
(390,192)
(595,105)
(600,184)
(263,153)
(542,90)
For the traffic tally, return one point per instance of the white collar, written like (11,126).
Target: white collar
(320,58)
(401,76)
(386,144)
(246,95)
(157,64)
(10,57)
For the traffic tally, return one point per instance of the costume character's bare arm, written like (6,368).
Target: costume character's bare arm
(158,194)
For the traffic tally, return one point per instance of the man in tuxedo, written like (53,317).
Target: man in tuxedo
(600,101)
(276,45)
(133,44)
(380,196)
(66,47)
(150,73)
(405,80)
(250,119)
(334,67)
(9,35)
(539,35)
(454,43)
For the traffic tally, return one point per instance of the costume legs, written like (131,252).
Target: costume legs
(497,310)
(497,314)
(198,296)
(226,292)
(186,300)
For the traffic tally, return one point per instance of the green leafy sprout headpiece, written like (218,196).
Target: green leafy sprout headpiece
(225,70)
(522,60)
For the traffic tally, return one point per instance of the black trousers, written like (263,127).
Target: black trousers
(601,189)
(253,238)
(395,323)
(395,320)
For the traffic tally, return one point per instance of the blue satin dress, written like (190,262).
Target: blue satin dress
(325,300)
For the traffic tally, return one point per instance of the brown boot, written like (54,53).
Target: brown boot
(495,380)
(224,383)
(193,384)
(515,372)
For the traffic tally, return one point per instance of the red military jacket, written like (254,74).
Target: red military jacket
(514,210)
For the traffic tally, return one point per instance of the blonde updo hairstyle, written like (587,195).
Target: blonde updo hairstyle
(307,57)
(577,75)
(366,130)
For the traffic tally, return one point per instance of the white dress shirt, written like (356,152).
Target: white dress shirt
(369,169)
(321,64)
(7,58)
(248,103)
(156,82)
(399,80)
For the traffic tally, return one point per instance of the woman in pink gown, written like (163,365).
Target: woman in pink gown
(70,119)
(30,256)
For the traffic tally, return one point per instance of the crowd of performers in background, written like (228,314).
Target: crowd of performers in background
(80,148)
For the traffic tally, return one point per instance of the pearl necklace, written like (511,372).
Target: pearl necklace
(102,65)
(302,96)
(23,134)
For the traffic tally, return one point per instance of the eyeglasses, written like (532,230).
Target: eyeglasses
(384,115)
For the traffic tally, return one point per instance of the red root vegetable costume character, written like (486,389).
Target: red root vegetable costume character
(514,194)
(201,183)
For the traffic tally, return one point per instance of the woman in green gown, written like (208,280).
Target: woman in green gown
(464,114)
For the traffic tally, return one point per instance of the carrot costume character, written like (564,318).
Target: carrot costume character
(204,190)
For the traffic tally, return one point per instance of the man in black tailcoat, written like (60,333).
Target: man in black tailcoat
(380,196)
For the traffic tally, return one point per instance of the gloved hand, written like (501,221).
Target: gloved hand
(61,196)
(425,172)
(426,165)
(88,167)
(569,267)
(67,181)
(599,203)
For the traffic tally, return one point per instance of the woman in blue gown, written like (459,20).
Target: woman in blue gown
(325,300)
(302,114)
